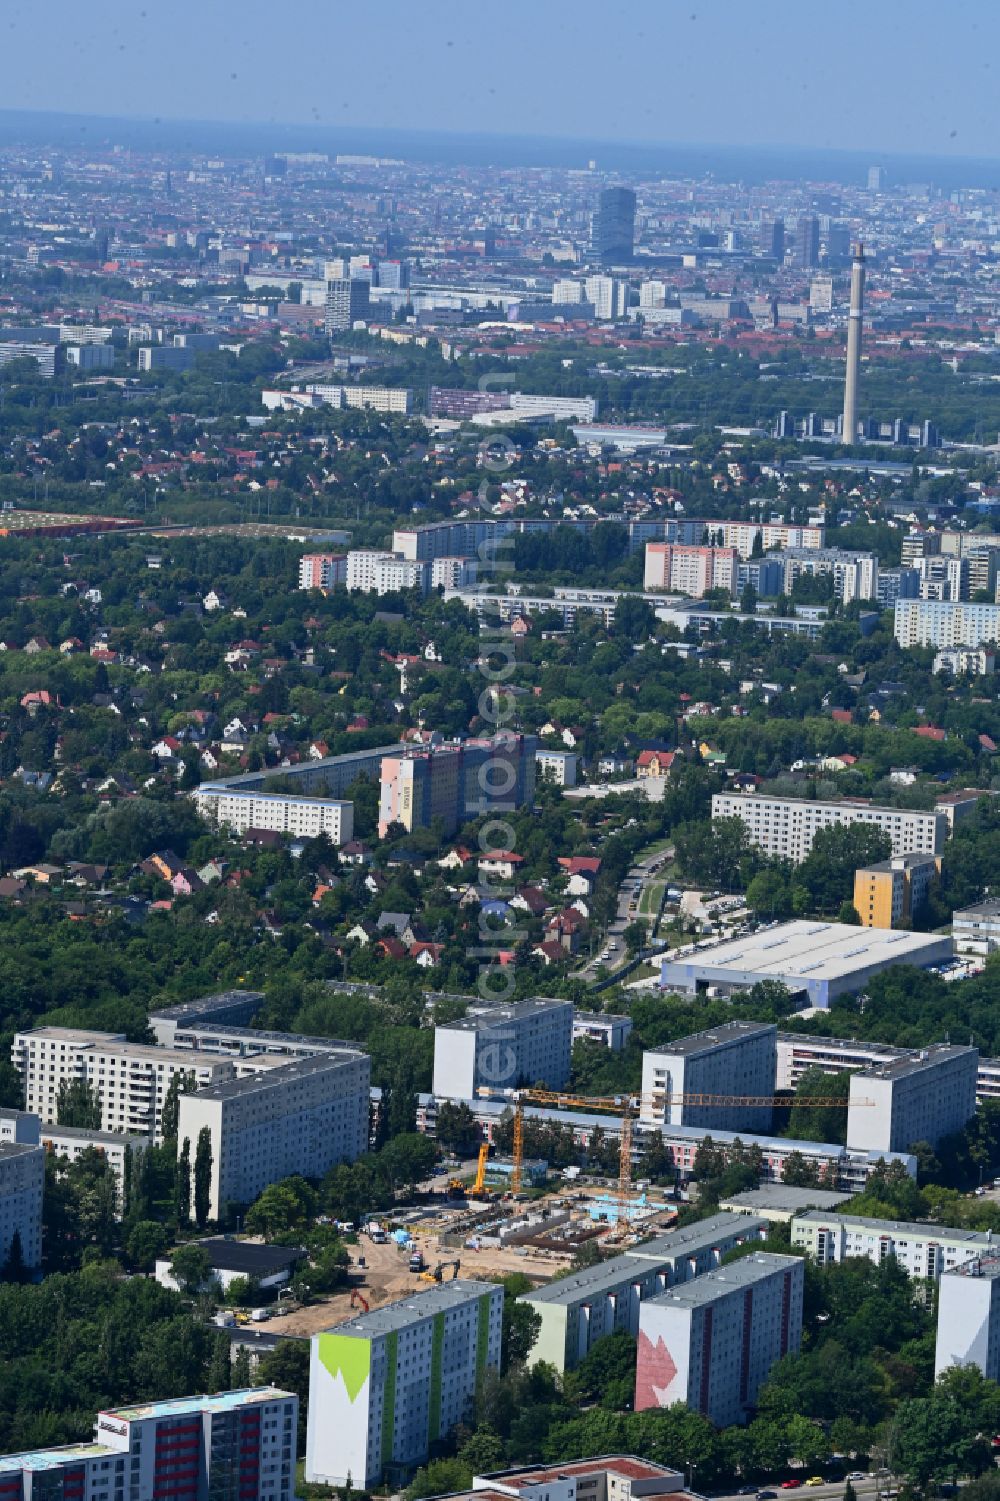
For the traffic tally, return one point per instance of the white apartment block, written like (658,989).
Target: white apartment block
(739,1058)
(373,398)
(322,570)
(959,659)
(501,1047)
(968,1326)
(786,826)
(282,1118)
(923,1096)
(22,1181)
(798,1052)
(711,1343)
(72,1142)
(386,1386)
(130,1079)
(609,296)
(945,623)
(579,1310)
(282,813)
(454,573)
(563,408)
(374,572)
(744,534)
(558,767)
(921,1250)
(567,289)
(854,574)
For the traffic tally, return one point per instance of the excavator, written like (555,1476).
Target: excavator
(436,1274)
(358,1300)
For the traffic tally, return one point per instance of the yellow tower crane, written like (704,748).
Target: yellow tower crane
(628,1108)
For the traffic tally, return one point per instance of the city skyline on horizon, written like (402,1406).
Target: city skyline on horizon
(724,81)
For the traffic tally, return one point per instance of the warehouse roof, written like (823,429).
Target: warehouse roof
(814,950)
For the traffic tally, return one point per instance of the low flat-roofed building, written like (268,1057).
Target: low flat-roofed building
(578,1310)
(608,1477)
(922,1250)
(821,959)
(779,1203)
(269,1266)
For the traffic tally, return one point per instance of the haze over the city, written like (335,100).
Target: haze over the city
(914,80)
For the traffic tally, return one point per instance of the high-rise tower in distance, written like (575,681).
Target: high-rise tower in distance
(612,226)
(849,430)
(807,241)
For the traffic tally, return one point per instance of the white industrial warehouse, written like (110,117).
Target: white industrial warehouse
(823,959)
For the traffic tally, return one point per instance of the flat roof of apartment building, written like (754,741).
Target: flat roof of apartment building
(906,1064)
(713,1285)
(441,1298)
(494,1016)
(593,1280)
(715,1037)
(914,1228)
(207,1005)
(276,1072)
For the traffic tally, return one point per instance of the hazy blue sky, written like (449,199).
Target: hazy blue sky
(892,75)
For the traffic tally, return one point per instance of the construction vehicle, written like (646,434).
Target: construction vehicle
(479,1189)
(358,1300)
(628,1108)
(456,1189)
(417,1262)
(436,1274)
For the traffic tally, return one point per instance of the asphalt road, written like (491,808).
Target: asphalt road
(637,875)
(835,1489)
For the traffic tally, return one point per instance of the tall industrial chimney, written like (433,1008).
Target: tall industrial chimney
(849,431)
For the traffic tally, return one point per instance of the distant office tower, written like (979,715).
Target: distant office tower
(807,241)
(394,275)
(876,179)
(854,322)
(612,226)
(772,238)
(821,294)
(102,245)
(838,242)
(347,303)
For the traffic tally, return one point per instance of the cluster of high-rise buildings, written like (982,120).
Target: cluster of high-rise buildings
(452,781)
